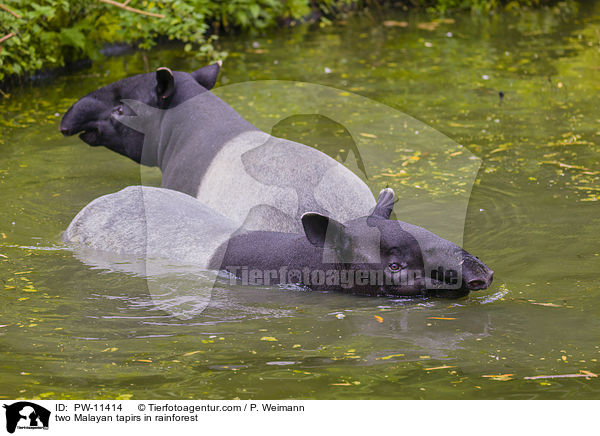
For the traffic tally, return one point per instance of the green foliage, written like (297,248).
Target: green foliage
(51,33)
(481,6)
(247,14)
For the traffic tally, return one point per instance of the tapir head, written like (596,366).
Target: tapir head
(97,114)
(394,257)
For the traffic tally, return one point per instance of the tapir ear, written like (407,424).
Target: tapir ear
(165,84)
(207,76)
(320,229)
(385,204)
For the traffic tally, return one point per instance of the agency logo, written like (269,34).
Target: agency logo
(26,415)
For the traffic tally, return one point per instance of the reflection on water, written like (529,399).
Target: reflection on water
(70,331)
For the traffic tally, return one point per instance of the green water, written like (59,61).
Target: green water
(69,331)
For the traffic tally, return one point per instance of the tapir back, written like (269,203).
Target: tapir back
(206,149)
(151,223)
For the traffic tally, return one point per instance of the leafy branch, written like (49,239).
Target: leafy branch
(10,11)
(6,37)
(130,9)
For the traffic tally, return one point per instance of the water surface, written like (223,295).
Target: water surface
(69,331)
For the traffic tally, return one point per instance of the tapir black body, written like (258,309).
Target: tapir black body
(370,255)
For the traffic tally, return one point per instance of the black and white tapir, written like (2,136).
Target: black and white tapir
(367,255)
(204,148)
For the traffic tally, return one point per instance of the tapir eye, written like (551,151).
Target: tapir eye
(395,266)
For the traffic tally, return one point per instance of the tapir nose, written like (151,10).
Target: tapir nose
(68,124)
(476,274)
(481,282)
(65,131)
(83,115)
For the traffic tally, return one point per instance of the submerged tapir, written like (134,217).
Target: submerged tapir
(368,255)
(204,148)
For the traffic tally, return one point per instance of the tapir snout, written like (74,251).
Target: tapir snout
(476,274)
(82,116)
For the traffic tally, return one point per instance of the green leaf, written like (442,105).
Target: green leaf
(254,10)
(72,37)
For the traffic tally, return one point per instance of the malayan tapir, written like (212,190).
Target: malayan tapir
(204,148)
(368,255)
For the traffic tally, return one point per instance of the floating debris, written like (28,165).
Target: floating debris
(439,367)
(582,373)
(392,23)
(500,377)
(389,357)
